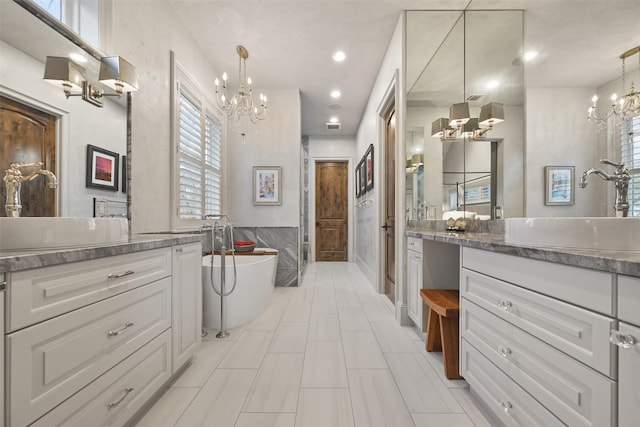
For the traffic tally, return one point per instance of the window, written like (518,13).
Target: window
(199,153)
(630,154)
(82,16)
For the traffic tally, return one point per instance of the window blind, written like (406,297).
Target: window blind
(630,155)
(199,158)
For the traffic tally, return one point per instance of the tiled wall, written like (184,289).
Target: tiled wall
(284,239)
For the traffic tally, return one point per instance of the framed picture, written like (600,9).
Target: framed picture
(124,174)
(357,180)
(102,168)
(267,185)
(368,159)
(558,185)
(363,176)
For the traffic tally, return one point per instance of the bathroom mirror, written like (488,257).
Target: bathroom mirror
(78,123)
(453,57)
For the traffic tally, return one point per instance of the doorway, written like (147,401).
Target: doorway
(390,205)
(28,135)
(332,211)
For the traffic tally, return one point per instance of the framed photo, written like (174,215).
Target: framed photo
(559,185)
(363,176)
(267,185)
(124,174)
(357,180)
(102,168)
(368,159)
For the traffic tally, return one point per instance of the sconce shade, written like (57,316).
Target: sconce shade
(459,114)
(469,128)
(438,127)
(118,74)
(417,160)
(63,71)
(491,114)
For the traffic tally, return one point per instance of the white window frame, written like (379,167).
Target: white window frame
(180,77)
(630,156)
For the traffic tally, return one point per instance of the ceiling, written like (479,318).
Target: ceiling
(290,43)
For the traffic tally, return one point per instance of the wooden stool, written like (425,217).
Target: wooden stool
(442,327)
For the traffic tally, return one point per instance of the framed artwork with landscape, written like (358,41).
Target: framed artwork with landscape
(267,185)
(102,168)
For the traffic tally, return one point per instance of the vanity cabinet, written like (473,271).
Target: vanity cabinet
(186,301)
(518,321)
(90,342)
(414,279)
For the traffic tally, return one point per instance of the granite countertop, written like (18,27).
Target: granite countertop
(621,262)
(26,259)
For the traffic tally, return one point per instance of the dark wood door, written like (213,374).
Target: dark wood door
(28,136)
(389,208)
(331,211)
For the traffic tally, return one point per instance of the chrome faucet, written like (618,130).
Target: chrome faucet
(13,180)
(620,178)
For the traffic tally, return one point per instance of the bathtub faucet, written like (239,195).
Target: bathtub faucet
(620,177)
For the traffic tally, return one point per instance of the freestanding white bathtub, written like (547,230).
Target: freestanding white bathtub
(253,293)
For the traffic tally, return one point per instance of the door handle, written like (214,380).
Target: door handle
(386,227)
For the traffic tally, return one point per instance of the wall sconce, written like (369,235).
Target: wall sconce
(490,114)
(115,73)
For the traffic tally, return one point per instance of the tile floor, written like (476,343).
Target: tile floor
(329,354)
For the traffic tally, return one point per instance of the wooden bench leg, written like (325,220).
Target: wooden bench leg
(450,353)
(433,342)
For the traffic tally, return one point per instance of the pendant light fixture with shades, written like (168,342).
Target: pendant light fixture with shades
(460,124)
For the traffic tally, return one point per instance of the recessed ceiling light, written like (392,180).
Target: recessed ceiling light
(528,56)
(339,56)
(77,57)
(335,94)
(333,120)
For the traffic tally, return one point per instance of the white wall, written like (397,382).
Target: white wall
(80,124)
(274,141)
(329,149)
(558,134)
(368,220)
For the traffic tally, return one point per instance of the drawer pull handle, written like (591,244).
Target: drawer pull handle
(505,305)
(506,406)
(121,330)
(126,393)
(119,275)
(179,250)
(621,340)
(504,351)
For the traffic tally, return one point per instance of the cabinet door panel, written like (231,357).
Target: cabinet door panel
(629,379)
(414,278)
(578,332)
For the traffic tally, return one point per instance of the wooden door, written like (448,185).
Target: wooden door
(28,136)
(389,208)
(331,211)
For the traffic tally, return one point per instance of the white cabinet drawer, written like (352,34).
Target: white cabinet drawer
(414,244)
(586,288)
(508,402)
(50,361)
(574,393)
(580,333)
(116,396)
(629,299)
(42,293)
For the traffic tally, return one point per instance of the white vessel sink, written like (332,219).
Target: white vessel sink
(619,234)
(60,232)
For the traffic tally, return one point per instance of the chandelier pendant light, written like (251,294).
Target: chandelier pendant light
(241,103)
(625,107)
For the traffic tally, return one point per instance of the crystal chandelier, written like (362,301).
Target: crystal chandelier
(625,107)
(241,103)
